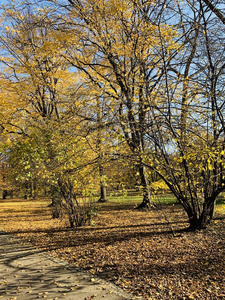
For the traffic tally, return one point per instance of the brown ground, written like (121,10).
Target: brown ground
(144,252)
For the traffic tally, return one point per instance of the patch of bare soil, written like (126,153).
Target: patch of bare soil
(147,253)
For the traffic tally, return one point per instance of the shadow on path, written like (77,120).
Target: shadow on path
(29,273)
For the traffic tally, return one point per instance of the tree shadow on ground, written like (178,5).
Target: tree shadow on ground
(28,273)
(60,238)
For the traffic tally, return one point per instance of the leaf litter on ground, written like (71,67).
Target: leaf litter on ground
(141,251)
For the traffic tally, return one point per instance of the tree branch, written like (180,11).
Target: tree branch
(214,9)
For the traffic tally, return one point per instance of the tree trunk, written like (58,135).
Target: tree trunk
(200,222)
(211,211)
(102,193)
(56,204)
(99,147)
(56,208)
(145,188)
(34,189)
(216,11)
(195,223)
(4,194)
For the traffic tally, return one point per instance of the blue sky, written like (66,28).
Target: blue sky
(3,2)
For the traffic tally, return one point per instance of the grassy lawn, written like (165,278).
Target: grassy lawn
(144,252)
(133,200)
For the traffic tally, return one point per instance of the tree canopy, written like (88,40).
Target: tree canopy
(86,83)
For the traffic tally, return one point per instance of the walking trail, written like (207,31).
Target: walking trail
(27,273)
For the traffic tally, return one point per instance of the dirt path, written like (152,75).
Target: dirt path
(27,273)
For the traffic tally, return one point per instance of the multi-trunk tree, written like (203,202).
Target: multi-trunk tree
(188,134)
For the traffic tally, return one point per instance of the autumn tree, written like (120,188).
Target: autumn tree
(32,72)
(188,133)
(162,67)
(117,48)
(37,76)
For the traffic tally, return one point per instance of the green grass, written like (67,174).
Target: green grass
(133,200)
(220,204)
(221,199)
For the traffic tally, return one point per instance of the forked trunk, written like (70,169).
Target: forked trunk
(198,222)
